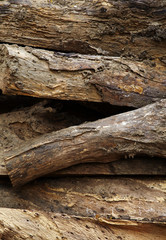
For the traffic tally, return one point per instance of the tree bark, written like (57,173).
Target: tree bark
(27,123)
(46,74)
(139,132)
(132,28)
(84,208)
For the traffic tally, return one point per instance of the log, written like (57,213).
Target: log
(46,116)
(25,123)
(116,198)
(139,132)
(85,208)
(132,28)
(29,224)
(48,74)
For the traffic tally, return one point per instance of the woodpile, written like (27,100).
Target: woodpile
(82,119)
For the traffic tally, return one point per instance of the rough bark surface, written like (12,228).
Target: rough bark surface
(97,27)
(27,123)
(139,132)
(84,208)
(46,74)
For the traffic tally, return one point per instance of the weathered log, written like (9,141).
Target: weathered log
(46,74)
(118,206)
(16,224)
(139,132)
(26,123)
(97,27)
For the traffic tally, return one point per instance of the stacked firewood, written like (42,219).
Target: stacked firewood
(82,119)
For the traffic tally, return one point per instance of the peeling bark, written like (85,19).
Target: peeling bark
(46,74)
(139,132)
(132,28)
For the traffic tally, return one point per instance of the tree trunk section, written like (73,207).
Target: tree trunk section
(46,74)
(139,132)
(132,28)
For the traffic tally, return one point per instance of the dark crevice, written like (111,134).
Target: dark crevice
(12,103)
(87,111)
(86,50)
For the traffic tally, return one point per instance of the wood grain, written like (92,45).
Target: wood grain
(46,74)
(42,226)
(132,28)
(84,208)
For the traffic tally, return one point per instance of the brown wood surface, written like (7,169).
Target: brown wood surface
(138,132)
(18,126)
(46,74)
(25,123)
(29,224)
(132,28)
(132,36)
(84,208)
(131,166)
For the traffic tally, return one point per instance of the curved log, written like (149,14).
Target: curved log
(139,132)
(93,27)
(46,74)
(46,116)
